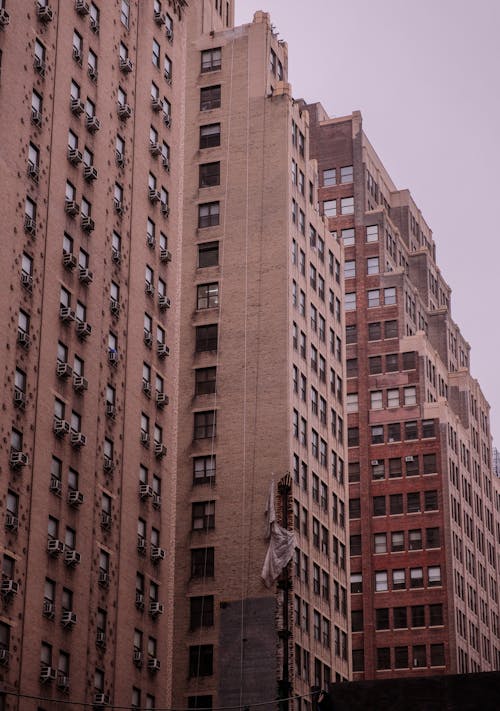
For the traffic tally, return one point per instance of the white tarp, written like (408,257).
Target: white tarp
(281,544)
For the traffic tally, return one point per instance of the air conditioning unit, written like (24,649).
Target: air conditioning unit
(169,34)
(36,118)
(149,288)
(166,164)
(49,609)
(66,314)
(44,12)
(92,72)
(39,66)
(101,699)
(71,207)
(409,458)
(94,25)
(157,501)
(126,65)
(161,399)
(19,399)
(85,275)
(17,460)
(83,329)
(90,173)
(112,357)
(78,440)
(81,7)
(9,587)
(154,195)
(374,462)
(124,111)
(118,206)
(100,639)
(165,210)
(139,600)
(153,664)
(154,148)
(68,618)
(116,256)
(4,17)
(157,554)
(155,609)
(62,682)
(168,76)
(88,224)
(137,658)
(80,383)
(148,338)
(105,520)
(167,120)
(110,410)
(69,260)
(23,339)
(156,104)
(74,156)
(159,18)
(33,171)
(103,579)
(160,450)
(4,656)
(120,159)
(47,674)
(55,547)
(77,107)
(144,438)
(164,302)
(108,464)
(146,388)
(141,545)
(163,350)
(93,124)
(77,55)
(75,498)
(60,427)
(27,281)
(114,307)
(165,255)
(55,486)
(11,521)
(29,226)
(144,491)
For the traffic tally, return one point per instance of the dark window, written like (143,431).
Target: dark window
(200,702)
(437,655)
(358,660)
(431,501)
(374,331)
(208,254)
(205,380)
(413,502)
(352,367)
(419,658)
(432,538)
(411,431)
(205,424)
(400,618)
(391,362)
(428,429)
(208,214)
(209,174)
(409,360)
(379,506)
(418,616)
(395,469)
(206,338)
(430,464)
(354,471)
(390,329)
(383,657)
(435,615)
(396,503)
(207,296)
(211,59)
(382,618)
(203,515)
(375,365)
(201,660)
(357,620)
(210,135)
(210,98)
(355,543)
(204,469)
(202,562)
(400,657)
(411,464)
(354,508)
(377,434)
(201,611)
(352,436)
(351,334)
(394,432)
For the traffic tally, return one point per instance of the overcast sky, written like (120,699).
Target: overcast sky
(426,76)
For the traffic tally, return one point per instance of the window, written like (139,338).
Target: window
(349,268)
(211,59)
(372,265)
(202,562)
(380,543)
(201,612)
(434,575)
(398,579)
(393,397)
(329,177)
(346,174)
(435,615)
(203,515)
(410,396)
(396,504)
(356,583)
(348,237)
(210,135)
(394,432)
(383,657)
(208,214)
(204,469)
(374,331)
(418,655)
(372,233)
(382,618)
(411,431)
(350,301)
(125,12)
(416,578)
(395,470)
(376,400)
(330,208)
(207,296)
(377,432)
(206,338)
(379,506)
(431,501)
(201,660)
(210,98)
(92,65)
(390,295)
(401,658)
(205,424)
(391,331)
(437,655)
(347,206)
(209,174)
(415,540)
(352,402)
(428,429)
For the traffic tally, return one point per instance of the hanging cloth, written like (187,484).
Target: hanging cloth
(281,544)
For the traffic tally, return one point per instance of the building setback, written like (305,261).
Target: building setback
(423,501)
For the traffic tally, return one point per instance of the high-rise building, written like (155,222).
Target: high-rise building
(423,503)
(172,345)
(496,461)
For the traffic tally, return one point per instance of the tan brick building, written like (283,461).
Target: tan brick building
(423,500)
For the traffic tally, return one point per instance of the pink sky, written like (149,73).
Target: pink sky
(425,75)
